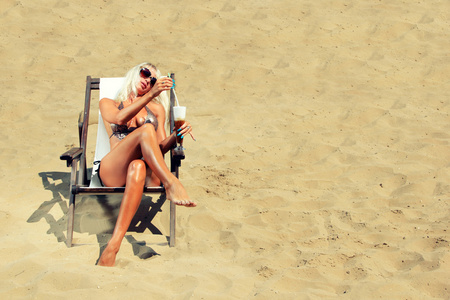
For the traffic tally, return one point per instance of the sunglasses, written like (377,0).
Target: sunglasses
(145,73)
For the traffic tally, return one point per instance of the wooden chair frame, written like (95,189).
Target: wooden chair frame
(76,159)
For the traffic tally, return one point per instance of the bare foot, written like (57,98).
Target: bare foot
(108,258)
(178,195)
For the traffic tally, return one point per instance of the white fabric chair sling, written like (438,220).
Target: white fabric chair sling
(109,88)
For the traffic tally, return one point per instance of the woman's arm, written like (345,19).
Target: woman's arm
(165,143)
(171,140)
(168,143)
(111,113)
(160,114)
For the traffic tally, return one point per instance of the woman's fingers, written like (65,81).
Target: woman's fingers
(168,83)
(164,83)
(185,129)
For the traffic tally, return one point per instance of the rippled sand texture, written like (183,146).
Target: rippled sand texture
(321,165)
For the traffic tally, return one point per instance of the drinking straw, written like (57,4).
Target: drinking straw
(173,88)
(176,98)
(178,104)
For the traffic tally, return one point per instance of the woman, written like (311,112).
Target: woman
(136,124)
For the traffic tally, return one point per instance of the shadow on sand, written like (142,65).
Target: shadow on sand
(95,214)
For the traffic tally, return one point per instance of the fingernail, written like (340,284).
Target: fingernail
(179,134)
(178,129)
(182,137)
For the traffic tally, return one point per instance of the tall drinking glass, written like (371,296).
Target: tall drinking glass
(179,113)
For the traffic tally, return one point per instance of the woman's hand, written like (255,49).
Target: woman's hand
(186,128)
(161,84)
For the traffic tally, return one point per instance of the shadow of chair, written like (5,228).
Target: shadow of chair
(103,207)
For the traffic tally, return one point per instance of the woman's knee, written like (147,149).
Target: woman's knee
(147,130)
(137,171)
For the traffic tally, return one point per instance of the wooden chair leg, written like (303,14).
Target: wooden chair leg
(71,211)
(70,220)
(172,224)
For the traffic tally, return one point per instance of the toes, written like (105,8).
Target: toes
(187,203)
(179,202)
(176,202)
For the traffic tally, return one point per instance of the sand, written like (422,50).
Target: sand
(321,165)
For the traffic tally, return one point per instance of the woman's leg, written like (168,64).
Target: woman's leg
(142,143)
(131,199)
(151,179)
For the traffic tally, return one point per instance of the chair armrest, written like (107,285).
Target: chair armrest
(70,155)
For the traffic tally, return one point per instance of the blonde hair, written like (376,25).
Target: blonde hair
(132,78)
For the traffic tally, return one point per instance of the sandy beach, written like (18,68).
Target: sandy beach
(321,167)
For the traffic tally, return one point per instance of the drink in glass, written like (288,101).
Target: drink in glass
(179,113)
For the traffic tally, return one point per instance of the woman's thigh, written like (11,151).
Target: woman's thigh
(114,166)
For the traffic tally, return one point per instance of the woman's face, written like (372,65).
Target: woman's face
(144,85)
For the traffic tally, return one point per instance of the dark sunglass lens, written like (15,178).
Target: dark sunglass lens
(146,73)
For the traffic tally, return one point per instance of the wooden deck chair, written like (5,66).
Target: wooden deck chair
(76,157)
